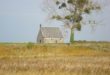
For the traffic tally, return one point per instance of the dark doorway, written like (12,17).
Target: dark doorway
(40,41)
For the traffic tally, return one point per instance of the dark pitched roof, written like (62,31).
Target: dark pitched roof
(51,32)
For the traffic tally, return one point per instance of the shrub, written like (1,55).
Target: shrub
(30,45)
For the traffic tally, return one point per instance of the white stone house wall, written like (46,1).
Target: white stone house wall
(53,40)
(40,38)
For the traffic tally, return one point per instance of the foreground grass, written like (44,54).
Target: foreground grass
(56,66)
(90,58)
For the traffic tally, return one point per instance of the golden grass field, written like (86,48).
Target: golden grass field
(80,58)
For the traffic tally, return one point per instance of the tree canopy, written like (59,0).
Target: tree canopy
(72,11)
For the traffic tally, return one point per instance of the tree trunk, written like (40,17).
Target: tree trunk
(72,36)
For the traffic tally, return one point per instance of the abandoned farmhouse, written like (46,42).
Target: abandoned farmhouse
(50,35)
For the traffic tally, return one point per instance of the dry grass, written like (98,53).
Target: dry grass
(84,58)
(38,50)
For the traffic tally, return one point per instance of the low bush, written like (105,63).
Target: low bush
(30,45)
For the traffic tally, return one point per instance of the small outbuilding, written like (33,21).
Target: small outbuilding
(50,35)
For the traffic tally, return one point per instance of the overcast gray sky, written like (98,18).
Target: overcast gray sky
(20,19)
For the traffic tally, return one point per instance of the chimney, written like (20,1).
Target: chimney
(40,25)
